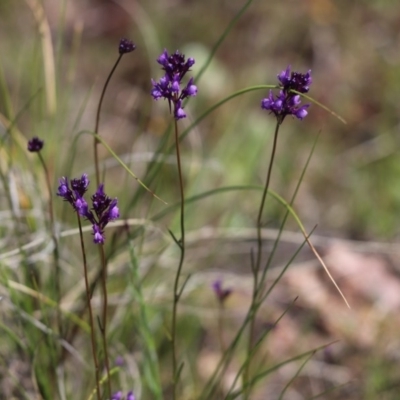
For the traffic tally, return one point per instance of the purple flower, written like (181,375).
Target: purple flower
(35,145)
(104,209)
(222,294)
(169,86)
(287,102)
(119,361)
(126,46)
(119,396)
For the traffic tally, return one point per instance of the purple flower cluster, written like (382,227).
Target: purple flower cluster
(119,396)
(126,46)
(169,86)
(222,294)
(35,145)
(104,209)
(287,102)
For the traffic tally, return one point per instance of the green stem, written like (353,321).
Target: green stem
(181,243)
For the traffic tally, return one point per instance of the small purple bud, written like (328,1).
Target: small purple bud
(222,294)
(117,396)
(179,113)
(302,112)
(113,212)
(130,396)
(63,187)
(81,206)
(284,76)
(163,58)
(98,236)
(35,145)
(175,87)
(190,62)
(126,46)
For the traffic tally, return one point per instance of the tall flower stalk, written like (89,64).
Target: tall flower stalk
(169,87)
(125,46)
(103,210)
(287,102)
(35,145)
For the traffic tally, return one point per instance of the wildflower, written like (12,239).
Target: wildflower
(119,361)
(287,102)
(222,294)
(169,86)
(104,209)
(126,46)
(35,145)
(119,396)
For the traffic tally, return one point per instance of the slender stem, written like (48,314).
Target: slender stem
(221,327)
(96,128)
(256,267)
(89,304)
(103,327)
(264,195)
(181,243)
(57,285)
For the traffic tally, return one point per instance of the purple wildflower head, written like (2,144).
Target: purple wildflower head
(288,102)
(35,145)
(126,46)
(222,294)
(169,86)
(104,209)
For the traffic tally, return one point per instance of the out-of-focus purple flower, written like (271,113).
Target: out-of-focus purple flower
(35,145)
(287,102)
(130,396)
(126,46)
(169,86)
(222,294)
(119,396)
(119,361)
(104,209)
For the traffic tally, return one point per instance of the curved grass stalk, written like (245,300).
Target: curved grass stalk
(123,165)
(262,374)
(341,119)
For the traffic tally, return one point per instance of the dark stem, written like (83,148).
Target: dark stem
(181,243)
(103,327)
(262,204)
(89,304)
(57,285)
(96,128)
(256,267)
